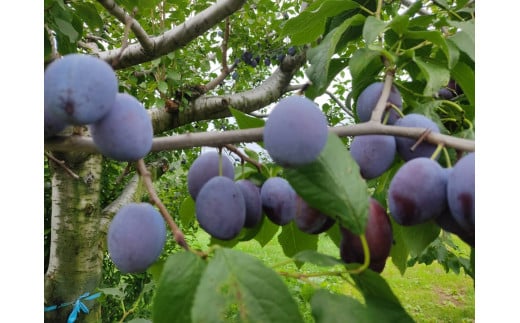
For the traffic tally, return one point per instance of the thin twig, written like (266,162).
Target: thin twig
(338,102)
(61,163)
(244,157)
(154,198)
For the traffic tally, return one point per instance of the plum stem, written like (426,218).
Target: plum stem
(154,199)
(243,157)
(366,252)
(219,161)
(446,156)
(437,151)
(420,139)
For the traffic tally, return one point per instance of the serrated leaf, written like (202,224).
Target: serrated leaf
(235,283)
(333,185)
(293,240)
(245,121)
(156,269)
(316,258)
(436,76)
(310,24)
(465,37)
(187,211)
(334,308)
(372,28)
(175,293)
(320,56)
(336,65)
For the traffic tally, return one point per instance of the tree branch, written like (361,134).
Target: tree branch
(144,40)
(172,39)
(221,138)
(213,107)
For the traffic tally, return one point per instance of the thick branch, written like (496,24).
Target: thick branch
(221,138)
(213,107)
(174,38)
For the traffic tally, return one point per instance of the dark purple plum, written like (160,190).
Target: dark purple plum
(309,219)
(220,208)
(379,237)
(205,167)
(461,192)
(368,98)
(126,132)
(278,200)
(251,194)
(417,192)
(373,153)
(295,132)
(79,89)
(404,144)
(136,237)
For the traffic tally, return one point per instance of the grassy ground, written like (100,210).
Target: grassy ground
(428,293)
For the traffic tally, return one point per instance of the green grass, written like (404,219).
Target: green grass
(427,292)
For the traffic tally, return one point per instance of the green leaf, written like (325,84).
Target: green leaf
(293,240)
(372,28)
(333,185)
(88,14)
(235,283)
(66,29)
(400,23)
(139,320)
(417,237)
(187,211)
(465,78)
(435,37)
(162,87)
(175,293)
(436,76)
(310,24)
(245,121)
(382,304)
(336,65)
(365,64)
(316,258)
(267,232)
(333,308)
(465,37)
(399,251)
(320,56)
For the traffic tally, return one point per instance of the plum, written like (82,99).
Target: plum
(417,192)
(379,238)
(309,219)
(461,192)
(404,144)
(79,89)
(220,208)
(295,132)
(278,200)
(205,167)
(368,98)
(136,237)
(126,132)
(251,194)
(373,153)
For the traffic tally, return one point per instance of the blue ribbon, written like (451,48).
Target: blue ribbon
(78,306)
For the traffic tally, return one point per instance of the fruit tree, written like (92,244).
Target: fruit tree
(295,121)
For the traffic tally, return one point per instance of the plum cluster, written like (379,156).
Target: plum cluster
(136,237)
(423,191)
(376,153)
(83,90)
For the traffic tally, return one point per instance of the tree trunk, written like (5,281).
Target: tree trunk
(77,244)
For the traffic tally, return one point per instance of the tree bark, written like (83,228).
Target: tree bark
(76,254)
